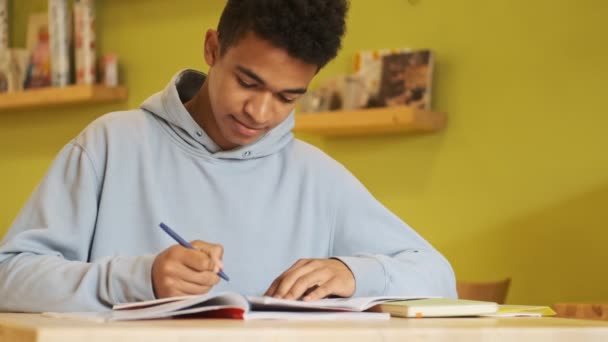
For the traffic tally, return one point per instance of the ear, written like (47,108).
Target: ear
(212,47)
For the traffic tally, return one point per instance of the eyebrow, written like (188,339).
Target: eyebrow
(258,79)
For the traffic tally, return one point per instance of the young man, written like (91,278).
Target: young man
(213,156)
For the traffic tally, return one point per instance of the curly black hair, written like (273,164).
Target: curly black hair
(310,30)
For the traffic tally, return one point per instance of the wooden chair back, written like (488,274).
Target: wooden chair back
(493,291)
(582,310)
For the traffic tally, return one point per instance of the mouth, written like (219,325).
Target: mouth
(246,130)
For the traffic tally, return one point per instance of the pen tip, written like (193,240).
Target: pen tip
(223,275)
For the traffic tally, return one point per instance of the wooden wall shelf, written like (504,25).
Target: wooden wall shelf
(398,119)
(76,94)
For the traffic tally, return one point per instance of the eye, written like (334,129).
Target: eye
(245,84)
(285,99)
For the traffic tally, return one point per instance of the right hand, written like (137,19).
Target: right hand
(179,271)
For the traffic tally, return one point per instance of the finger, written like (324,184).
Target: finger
(195,259)
(273,287)
(205,278)
(215,251)
(307,281)
(297,264)
(189,288)
(199,261)
(182,280)
(182,269)
(173,293)
(322,291)
(291,277)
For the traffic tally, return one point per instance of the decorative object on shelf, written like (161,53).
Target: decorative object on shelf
(110,70)
(59,40)
(19,62)
(84,41)
(329,96)
(368,67)
(407,79)
(354,94)
(5,70)
(39,68)
(13,65)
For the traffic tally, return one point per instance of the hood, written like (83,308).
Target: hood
(169,106)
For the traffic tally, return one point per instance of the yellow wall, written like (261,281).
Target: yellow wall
(517,185)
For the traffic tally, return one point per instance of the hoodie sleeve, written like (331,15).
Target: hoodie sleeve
(44,262)
(386,256)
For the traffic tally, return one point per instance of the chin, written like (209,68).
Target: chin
(247,141)
(238,141)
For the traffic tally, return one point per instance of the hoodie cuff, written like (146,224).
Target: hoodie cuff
(370,277)
(147,289)
(133,279)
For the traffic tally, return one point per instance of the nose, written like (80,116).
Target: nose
(258,107)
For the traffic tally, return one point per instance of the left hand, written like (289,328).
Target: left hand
(313,279)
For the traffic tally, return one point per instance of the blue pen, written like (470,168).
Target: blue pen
(186,244)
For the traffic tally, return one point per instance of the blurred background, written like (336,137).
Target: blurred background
(516,185)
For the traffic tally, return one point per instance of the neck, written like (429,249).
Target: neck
(199,108)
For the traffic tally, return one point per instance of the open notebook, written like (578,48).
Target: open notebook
(233,305)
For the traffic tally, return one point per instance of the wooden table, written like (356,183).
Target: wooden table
(32,327)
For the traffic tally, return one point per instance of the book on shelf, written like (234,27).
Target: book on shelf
(5,58)
(59,24)
(4,32)
(84,42)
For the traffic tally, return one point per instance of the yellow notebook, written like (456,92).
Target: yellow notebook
(437,307)
(522,311)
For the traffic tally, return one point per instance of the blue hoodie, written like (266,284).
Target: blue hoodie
(88,236)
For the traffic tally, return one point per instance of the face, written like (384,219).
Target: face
(251,89)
